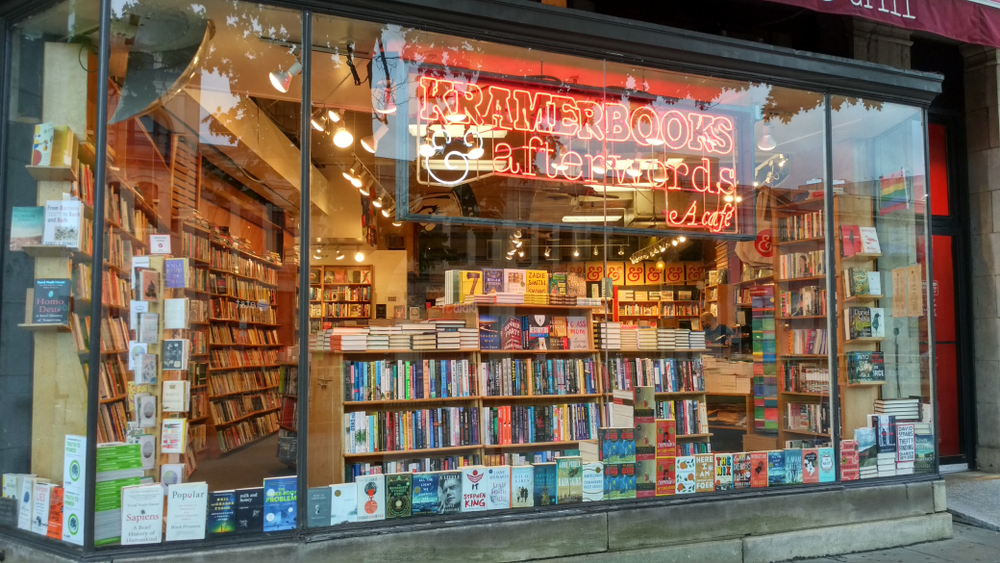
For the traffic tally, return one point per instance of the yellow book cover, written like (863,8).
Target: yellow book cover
(537,282)
(471,283)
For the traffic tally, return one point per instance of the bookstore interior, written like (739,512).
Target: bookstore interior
(574,280)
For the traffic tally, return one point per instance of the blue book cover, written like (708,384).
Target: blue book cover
(545,484)
(173,269)
(775,468)
(221,512)
(489,332)
(827,467)
(793,467)
(279,503)
(492,281)
(425,494)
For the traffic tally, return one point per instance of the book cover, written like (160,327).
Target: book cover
(612,471)
(147,451)
(175,354)
(492,281)
(172,473)
(775,468)
(146,411)
(510,334)
(26,226)
(827,465)
(474,488)
(867,447)
(760,462)
(885,432)
(73,517)
(149,286)
(645,478)
(142,514)
(489,332)
(522,486)
(175,396)
(645,440)
(536,282)
(147,370)
(906,447)
(187,511)
(847,241)
(875,283)
(318,501)
(175,272)
(704,465)
(557,284)
(398,495)
(569,480)
(41,144)
(608,439)
(470,283)
(371,497)
(149,328)
(450,492)
(859,281)
(810,465)
(579,337)
(593,481)
(666,476)
(173,436)
(8,513)
(221,512)
(498,483)
(877,316)
(793,467)
(859,322)
(539,327)
(645,405)
(626,482)
(666,438)
(250,509)
(626,445)
(424,501)
(63,223)
(175,313)
(685,475)
(53,529)
(741,470)
(50,303)
(545,484)
(924,445)
(344,503)
(724,472)
(514,280)
(869,241)
(40,508)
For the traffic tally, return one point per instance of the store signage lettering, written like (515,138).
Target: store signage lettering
(570,138)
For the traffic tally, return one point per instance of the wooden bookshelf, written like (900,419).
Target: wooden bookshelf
(340,293)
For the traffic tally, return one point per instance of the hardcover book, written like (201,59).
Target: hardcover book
(142,514)
(522,486)
(593,481)
(536,282)
(724,472)
(279,503)
(250,510)
(318,501)
(492,281)
(685,475)
(666,476)
(885,432)
(221,512)
(569,480)
(827,466)
(645,478)
(450,492)
(371,497)
(187,511)
(54,528)
(810,465)
(759,469)
(626,445)
(344,503)
(398,492)
(741,470)
(425,494)
(579,338)
(626,482)
(514,280)
(474,489)
(906,448)
(26,226)
(612,471)
(489,332)
(859,322)
(793,467)
(775,468)
(867,447)
(175,272)
(63,223)
(545,484)
(666,438)
(645,405)
(645,439)
(498,483)
(149,286)
(704,465)
(50,304)
(40,507)
(877,316)
(869,241)
(608,439)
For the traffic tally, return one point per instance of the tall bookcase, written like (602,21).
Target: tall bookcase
(341,293)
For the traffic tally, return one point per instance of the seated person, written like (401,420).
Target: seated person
(715,333)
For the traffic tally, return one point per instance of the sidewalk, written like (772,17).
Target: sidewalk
(974,502)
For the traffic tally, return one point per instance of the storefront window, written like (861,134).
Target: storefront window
(533,279)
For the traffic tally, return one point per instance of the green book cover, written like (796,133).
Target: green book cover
(398,491)
(569,480)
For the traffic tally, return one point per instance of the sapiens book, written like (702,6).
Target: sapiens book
(142,514)
(450,492)
(645,478)
(26,226)
(522,486)
(343,503)
(545,484)
(280,503)
(371,497)
(187,511)
(318,506)
(723,472)
(474,487)
(569,480)
(221,512)
(424,494)
(398,494)
(250,509)
(51,301)
(498,487)
(593,481)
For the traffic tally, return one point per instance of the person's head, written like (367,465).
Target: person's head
(449,491)
(707,319)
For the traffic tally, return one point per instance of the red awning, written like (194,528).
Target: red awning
(968,21)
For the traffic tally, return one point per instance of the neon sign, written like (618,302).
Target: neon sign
(688,155)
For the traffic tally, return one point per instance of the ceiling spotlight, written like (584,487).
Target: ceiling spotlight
(359,256)
(681,239)
(660,264)
(767,142)
(427,149)
(340,255)
(378,202)
(343,138)
(282,79)
(654,141)
(621,251)
(317,122)
(397,224)
(633,171)
(595,250)
(517,234)
(560,166)
(365,190)
(456,116)
(510,256)
(738,199)
(370,143)
(352,176)
(520,253)
(576,252)
(333,114)
(385,212)
(673,242)
(548,251)
(518,243)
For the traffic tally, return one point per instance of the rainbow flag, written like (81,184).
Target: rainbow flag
(893,193)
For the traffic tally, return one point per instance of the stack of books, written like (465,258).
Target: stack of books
(629,337)
(509,298)
(469,338)
(563,300)
(902,409)
(536,298)
(609,336)
(424,341)
(588,301)
(665,339)
(399,341)
(682,339)
(696,339)
(378,337)
(486,299)
(647,338)
(345,338)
